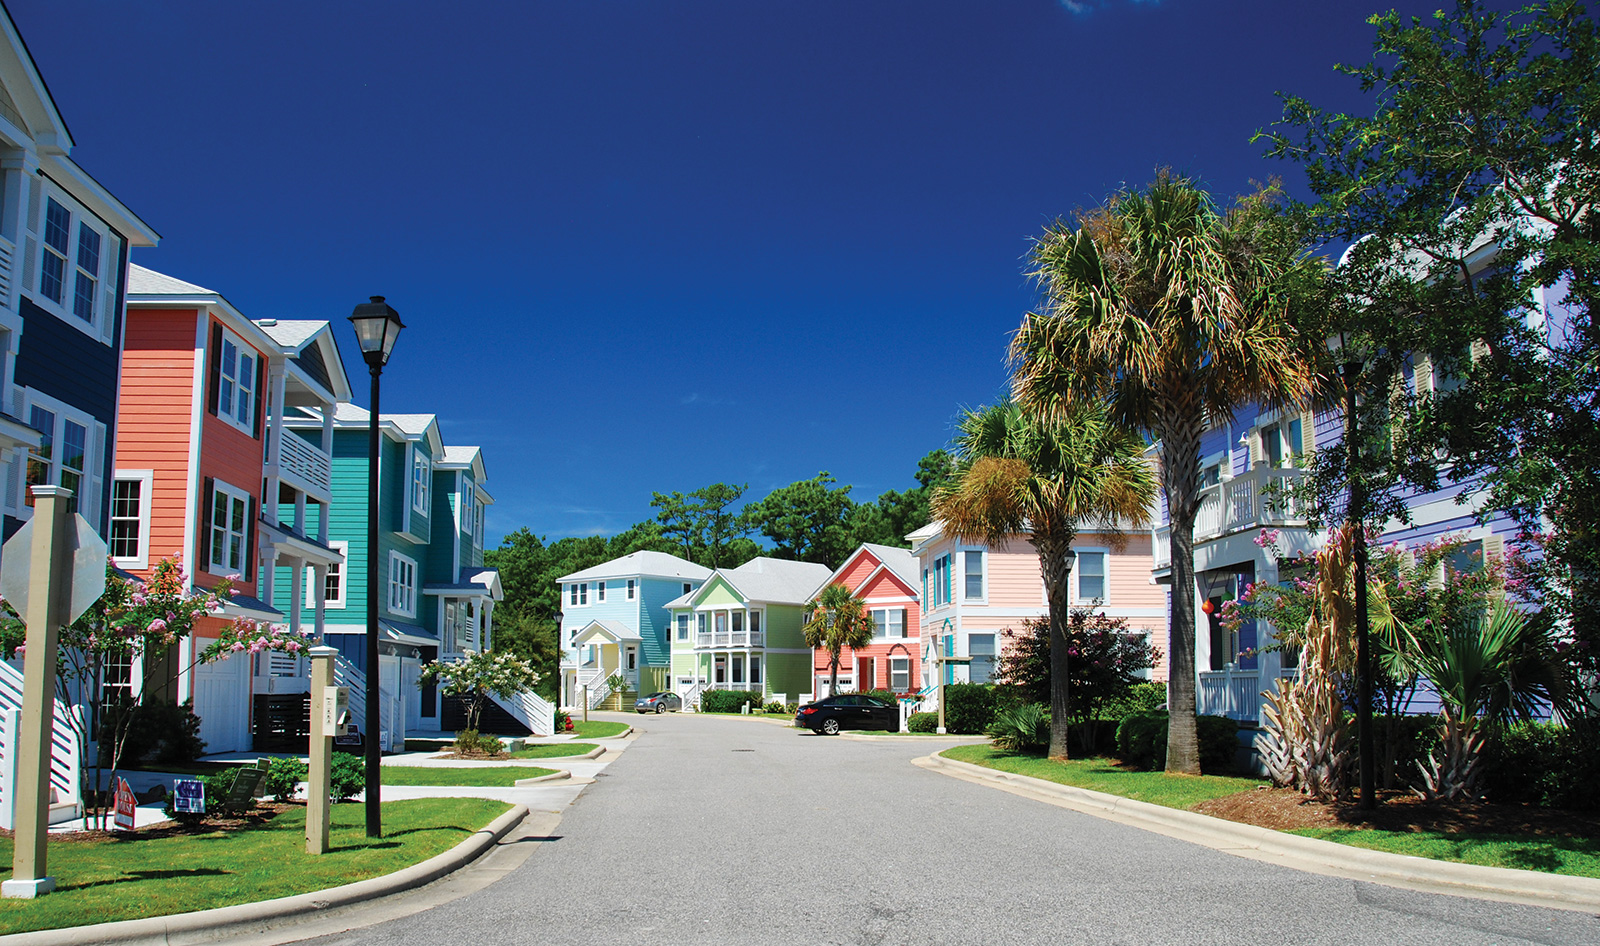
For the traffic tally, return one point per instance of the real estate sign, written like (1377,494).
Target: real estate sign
(125,803)
(189,796)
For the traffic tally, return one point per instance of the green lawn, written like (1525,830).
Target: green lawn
(1579,857)
(554,750)
(139,876)
(492,776)
(1103,775)
(597,728)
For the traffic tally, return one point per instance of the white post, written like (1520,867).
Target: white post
(10,726)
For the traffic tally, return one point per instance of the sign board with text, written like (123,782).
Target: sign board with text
(189,796)
(125,804)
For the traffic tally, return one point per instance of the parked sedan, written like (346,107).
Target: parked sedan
(658,703)
(849,711)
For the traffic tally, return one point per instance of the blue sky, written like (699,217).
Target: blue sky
(650,246)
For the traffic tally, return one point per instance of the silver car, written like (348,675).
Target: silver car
(658,703)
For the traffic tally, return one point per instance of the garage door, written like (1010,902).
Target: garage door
(222,701)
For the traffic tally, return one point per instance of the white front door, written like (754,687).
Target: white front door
(392,700)
(222,701)
(411,694)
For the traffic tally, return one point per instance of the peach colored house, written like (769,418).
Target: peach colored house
(972,592)
(886,579)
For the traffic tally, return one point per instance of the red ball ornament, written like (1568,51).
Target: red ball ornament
(1208,607)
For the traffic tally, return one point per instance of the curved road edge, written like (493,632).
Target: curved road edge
(244,918)
(1530,888)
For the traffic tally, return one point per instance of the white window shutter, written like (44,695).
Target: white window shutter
(110,253)
(1422,372)
(35,204)
(13,480)
(1308,432)
(97,477)
(1494,549)
(1256,453)
(30,242)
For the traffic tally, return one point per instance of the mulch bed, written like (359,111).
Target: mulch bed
(476,756)
(1284,809)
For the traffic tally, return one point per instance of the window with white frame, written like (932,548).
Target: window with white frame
(683,627)
(1089,575)
(229,521)
(942,581)
(687,587)
(63,457)
(333,582)
(632,589)
(77,257)
(236,383)
(980,647)
(402,585)
(889,622)
(973,572)
(477,529)
(578,595)
(129,540)
(700,624)
(421,479)
(469,516)
(755,669)
(1280,442)
(900,674)
(600,593)
(755,622)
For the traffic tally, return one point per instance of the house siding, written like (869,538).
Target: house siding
(156,408)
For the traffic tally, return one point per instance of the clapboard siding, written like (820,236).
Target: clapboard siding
(156,407)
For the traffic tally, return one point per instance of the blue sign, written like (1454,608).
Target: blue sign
(189,796)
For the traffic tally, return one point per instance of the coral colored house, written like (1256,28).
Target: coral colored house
(201,448)
(973,593)
(885,579)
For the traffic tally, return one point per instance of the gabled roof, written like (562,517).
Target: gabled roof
(402,426)
(644,564)
(898,562)
(766,580)
(311,347)
(463,458)
(145,281)
(615,630)
(146,287)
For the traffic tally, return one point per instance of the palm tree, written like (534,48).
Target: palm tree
(1020,474)
(1173,316)
(838,620)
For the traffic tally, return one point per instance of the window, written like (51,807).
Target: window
(683,627)
(1090,575)
(633,659)
(333,583)
(722,622)
(62,455)
(942,581)
(755,622)
(116,680)
(578,595)
(738,622)
(402,585)
(738,668)
(900,674)
(631,589)
(980,647)
(974,575)
(236,397)
(477,529)
(700,623)
(755,669)
(230,528)
(421,477)
(1211,475)
(130,518)
(466,637)
(57,236)
(1280,442)
(889,622)
(88,275)
(469,518)
(687,587)
(600,592)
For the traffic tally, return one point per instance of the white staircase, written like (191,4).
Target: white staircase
(531,710)
(66,794)
(599,684)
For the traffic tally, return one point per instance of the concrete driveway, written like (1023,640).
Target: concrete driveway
(727,830)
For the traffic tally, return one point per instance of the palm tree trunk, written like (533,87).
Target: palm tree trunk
(1055,566)
(833,672)
(1180,474)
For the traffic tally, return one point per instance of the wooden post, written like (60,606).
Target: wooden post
(49,585)
(320,771)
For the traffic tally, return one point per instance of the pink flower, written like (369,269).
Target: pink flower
(238,646)
(157,626)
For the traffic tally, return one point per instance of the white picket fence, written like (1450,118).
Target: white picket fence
(64,752)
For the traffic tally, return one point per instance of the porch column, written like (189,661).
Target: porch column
(319,575)
(486,637)
(268,570)
(276,381)
(297,590)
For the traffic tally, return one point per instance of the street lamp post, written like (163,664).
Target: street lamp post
(377,326)
(1356,515)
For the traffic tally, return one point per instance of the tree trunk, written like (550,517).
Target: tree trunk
(1055,566)
(833,672)
(1180,475)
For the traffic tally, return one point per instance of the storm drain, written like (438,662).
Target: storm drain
(744,750)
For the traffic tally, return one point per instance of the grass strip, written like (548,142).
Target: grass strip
(1577,857)
(1104,775)
(597,728)
(555,750)
(133,876)
(483,776)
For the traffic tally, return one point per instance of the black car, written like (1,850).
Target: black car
(849,711)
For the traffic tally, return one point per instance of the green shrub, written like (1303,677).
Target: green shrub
(349,776)
(791,708)
(283,778)
(1147,697)
(968,708)
(774,707)
(561,720)
(1544,764)
(1402,743)
(164,733)
(923,722)
(730,701)
(889,695)
(469,742)
(1024,729)
(1142,741)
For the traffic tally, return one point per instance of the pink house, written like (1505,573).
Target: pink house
(972,592)
(886,579)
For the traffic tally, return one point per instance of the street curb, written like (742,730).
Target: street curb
(908,737)
(257,917)
(1531,888)
(553,776)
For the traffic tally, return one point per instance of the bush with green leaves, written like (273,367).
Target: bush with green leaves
(348,778)
(773,707)
(731,701)
(1149,696)
(968,708)
(1545,764)
(470,742)
(1023,729)
(156,732)
(284,777)
(923,722)
(1142,741)
(886,695)
(791,708)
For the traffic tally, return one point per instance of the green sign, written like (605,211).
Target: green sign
(247,784)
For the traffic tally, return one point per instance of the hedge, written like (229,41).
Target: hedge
(730,701)
(1142,741)
(968,708)
(1544,764)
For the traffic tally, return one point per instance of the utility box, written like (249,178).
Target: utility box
(336,711)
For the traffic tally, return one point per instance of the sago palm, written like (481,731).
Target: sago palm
(838,620)
(1174,316)
(1021,474)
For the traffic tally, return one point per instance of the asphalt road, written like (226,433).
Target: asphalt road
(716,830)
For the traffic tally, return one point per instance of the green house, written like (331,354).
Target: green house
(741,630)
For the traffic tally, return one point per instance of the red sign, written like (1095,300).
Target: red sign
(125,803)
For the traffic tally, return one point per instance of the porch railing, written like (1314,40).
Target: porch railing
(1236,505)
(299,460)
(64,751)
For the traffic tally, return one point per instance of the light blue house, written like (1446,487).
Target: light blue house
(614,620)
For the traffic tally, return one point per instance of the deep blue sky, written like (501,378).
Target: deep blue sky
(650,246)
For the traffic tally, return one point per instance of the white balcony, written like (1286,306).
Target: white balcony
(1237,505)
(721,639)
(305,467)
